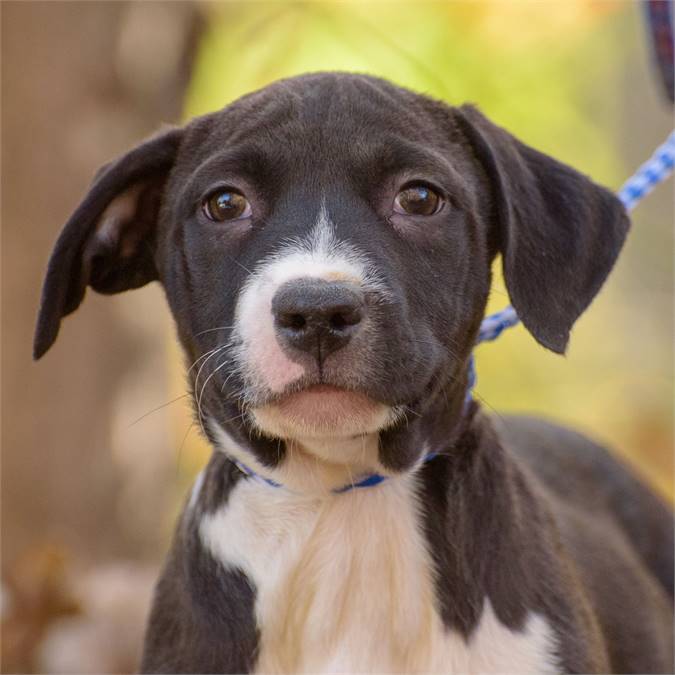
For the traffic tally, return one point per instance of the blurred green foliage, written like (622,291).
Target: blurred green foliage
(550,72)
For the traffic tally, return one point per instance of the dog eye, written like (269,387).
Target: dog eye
(226,205)
(417,200)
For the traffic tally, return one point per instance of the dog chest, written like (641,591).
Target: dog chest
(345,584)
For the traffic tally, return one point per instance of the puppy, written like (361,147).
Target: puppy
(325,247)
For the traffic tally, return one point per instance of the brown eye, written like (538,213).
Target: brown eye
(226,205)
(417,200)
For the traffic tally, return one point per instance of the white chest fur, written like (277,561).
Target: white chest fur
(344,584)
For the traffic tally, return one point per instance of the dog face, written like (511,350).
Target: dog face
(325,246)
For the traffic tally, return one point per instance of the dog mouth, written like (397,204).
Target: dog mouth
(326,401)
(321,410)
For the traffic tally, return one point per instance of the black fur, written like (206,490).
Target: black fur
(548,214)
(496,520)
(80,258)
(202,616)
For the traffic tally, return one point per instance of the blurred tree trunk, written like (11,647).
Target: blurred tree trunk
(81,83)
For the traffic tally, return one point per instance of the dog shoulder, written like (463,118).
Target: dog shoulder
(615,532)
(201,620)
(591,479)
(511,553)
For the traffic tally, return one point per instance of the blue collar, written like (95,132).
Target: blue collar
(371,479)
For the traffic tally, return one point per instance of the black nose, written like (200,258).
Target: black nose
(317,316)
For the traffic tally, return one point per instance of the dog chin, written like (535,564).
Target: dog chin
(323,412)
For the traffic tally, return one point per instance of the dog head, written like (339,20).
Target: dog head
(325,246)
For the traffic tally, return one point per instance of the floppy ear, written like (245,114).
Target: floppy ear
(559,233)
(108,241)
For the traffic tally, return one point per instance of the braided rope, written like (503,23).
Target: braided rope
(649,175)
(654,171)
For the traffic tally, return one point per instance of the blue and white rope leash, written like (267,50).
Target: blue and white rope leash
(645,179)
(650,174)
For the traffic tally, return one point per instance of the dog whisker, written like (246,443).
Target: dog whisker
(213,353)
(201,393)
(241,415)
(236,262)
(349,473)
(203,356)
(316,476)
(211,330)
(411,411)
(227,379)
(159,407)
(485,402)
(180,449)
(200,416)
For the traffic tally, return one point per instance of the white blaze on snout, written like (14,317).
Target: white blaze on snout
(261,359)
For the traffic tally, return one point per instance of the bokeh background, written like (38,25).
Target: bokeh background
(94,464)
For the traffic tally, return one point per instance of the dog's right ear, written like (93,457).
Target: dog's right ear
(108,241)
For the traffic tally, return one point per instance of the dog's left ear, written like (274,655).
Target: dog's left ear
(559,233)
(108,241)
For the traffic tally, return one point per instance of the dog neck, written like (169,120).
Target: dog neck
(307,468)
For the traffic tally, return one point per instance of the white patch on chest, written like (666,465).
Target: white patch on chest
(344,584)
